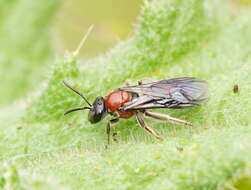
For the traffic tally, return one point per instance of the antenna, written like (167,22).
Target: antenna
(76,109)
(77,92)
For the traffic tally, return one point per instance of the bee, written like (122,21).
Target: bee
(138,100)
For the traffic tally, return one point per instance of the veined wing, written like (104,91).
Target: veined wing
(172,93)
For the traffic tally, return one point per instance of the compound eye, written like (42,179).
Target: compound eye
(91,116)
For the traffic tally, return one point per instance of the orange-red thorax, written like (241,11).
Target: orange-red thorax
(117,99)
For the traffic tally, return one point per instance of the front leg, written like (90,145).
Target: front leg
(108,128)
(150,131)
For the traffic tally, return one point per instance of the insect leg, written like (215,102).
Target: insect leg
(150,131)
(164,117)
(128,83)
(108,128)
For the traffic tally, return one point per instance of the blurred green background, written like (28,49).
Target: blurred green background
(113,22)
(25,57)
(40,148)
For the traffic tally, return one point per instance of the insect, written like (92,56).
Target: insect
(236,88)
(128,101)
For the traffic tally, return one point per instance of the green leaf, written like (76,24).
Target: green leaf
(205,39)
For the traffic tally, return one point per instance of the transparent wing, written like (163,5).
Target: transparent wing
(172,93)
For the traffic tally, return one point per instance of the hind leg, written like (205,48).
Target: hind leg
(128,83)
(164,117)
